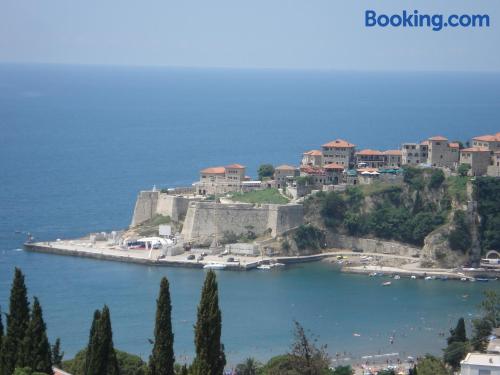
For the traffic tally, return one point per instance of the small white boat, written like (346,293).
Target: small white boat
(372,274)
(386,283)
(214,266)
(463,279)
(397,277)
(413,277)
(264,267)
(429,278)
(277,265)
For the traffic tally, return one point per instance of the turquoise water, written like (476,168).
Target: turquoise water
(78,143)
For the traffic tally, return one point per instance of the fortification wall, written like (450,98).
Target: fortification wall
(370,245)
(145,207)
(204,219)
(151,203)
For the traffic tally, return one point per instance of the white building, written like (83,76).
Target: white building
(480,364)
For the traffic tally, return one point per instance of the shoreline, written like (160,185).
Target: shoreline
(246,263)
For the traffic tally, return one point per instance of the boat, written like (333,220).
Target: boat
(429,278)
(277,265)
(372,274)
(397,277)
(264,267)
(386,283)
(482,279)
(214,266)
(463,279)
(413,277)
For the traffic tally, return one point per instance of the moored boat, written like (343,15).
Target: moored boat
(214,266)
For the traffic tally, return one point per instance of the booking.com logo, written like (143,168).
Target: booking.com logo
(435,21)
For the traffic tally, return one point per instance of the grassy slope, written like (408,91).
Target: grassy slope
(260,196)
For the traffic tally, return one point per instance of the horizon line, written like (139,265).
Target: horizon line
(247,68)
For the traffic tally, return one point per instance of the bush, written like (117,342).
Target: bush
(333,209)
(437,179)
(265,170)
(129,364)
(487,193)
(463,170)
(414,177)
(460,238)
(309,237)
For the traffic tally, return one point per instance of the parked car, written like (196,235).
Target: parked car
(230,259)
(190,257)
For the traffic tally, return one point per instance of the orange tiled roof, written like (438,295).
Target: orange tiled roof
(454,145)
(393,152)
(214,170)
(285,167)
(313,153)
(334,166)
(235,166)
(312,170)
(339,143)
(369,152)
(424,143)
(488,138)
(475,149)
(438,138)
(367,170)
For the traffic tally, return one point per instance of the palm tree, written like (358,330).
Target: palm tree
(249,367)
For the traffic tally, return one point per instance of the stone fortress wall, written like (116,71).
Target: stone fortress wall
(203,219)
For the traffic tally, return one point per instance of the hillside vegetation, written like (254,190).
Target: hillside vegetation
(261,196)
(406,212)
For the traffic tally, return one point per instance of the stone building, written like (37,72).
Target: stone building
(393,158)
(370,159)
(283,173)
(491,142)
(494,167)
(220,180)
(442,153)
(414,153)
(340,152)
(313,158)
(480,364)
(478,158)
(333,174)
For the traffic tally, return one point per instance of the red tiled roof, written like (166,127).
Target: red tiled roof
(438,138)
(367,170)
(235,166)
(313,153)
(369,152)
(285,167)
(454,145)
(393,152)
(312,170)
(424,143)
(475,149)
(214,170)
(334,166)
(339,143)
(488,138)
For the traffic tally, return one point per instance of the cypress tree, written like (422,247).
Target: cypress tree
(458,334)
(17,324)
(57,355)
(210,358)
(36,352)
(100,357)
(161,361)
(90,357)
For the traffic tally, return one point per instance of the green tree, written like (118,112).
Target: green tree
(57,354)
(129,364)
(431,365)
(100,355)
(343,370)
(306,357)
(17,324)
(490,318)
(36,351)
(463,169)
(386,372)
(460,237)
(265,171)
(184,370)
(455,352)
(249,367)
(1,340)
(437,179)
(309,237)
(333,209)
(210,358)
(280,365)
(161,361)
(458,334)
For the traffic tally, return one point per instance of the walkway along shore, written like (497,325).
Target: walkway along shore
(244,263)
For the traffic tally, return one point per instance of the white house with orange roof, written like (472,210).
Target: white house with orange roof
(478,158)
(442,153)
(340,152)
(220,180)
(313,158)
(282,173)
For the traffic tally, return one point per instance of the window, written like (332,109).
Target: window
(484,372)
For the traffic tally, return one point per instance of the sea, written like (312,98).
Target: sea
(77,143)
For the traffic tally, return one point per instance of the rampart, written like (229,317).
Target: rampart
(205,219)
(151,203)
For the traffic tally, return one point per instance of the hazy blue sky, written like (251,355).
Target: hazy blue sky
(310,34)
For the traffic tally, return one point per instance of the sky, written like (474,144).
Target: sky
(278,34)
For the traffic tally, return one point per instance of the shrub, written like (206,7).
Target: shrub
(333,209)
(463,169)
(437,179)
(309,237)
(460,238)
